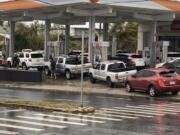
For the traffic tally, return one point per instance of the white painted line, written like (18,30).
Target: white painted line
(70,118)
(143,110)
(131,111)
(4,132)
(51,120)
(165,108)
(32,123)
(20,127)
(154,109)
(103,97)
(89,116)
(113,115)
(125,113)
(16,110)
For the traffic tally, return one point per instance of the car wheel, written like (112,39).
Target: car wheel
(68,74)
(128,87)
(175,92)
(110,83)
(92,79)
(24,67)
(8,64)
(40,68)
(47,71)
(152,91)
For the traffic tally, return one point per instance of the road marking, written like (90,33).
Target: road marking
(21,127)
(146,110)
(89,116)
(132,111)
(128,114)
(51,120)
(16,110)
(112,98)
(70,118)
(4,132)
(113,115)
(32,123)
(166,108)
(154,109)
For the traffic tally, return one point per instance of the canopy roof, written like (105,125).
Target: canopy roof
(76,11)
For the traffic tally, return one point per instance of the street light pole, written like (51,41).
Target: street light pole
(82,65)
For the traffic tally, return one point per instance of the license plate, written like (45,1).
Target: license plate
(172,82)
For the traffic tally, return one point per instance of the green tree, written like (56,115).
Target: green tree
(29,36)
(126,34)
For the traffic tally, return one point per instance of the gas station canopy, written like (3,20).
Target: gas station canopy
(77,11)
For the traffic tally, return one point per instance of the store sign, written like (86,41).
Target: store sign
(175,26)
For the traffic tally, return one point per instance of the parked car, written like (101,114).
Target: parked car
(111,71)
(173,55)
(154,81)
(173,65)
(137,60)
(68,65)
(29,59)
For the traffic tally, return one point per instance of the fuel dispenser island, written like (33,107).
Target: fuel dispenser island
(156,54)
(101,51)
(55,48)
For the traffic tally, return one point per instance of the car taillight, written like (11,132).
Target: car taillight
(116,76)
(133,60)
(161,82)
(30,60)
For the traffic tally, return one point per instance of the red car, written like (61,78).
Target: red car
(154,81)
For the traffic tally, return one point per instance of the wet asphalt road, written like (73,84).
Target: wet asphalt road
(115,115)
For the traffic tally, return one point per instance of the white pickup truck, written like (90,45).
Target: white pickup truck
(111,71)
(68,65)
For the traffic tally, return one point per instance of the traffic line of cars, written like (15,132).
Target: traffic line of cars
(121,69)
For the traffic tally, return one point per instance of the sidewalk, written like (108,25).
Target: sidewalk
(63,85)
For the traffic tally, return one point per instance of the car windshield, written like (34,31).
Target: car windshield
(36,55)
(168,74)
(116,67)
(136,56)
(75,60)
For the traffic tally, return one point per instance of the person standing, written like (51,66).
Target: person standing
(53,67)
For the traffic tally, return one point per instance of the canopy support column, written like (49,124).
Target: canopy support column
(46,38)
(140,42)
(67,39)
(154,42)
(12,39)
(91,38)
(105,31)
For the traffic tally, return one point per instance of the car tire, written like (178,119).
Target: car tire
(92,80)
(152,91)
(109,82)
(9,64)
(24,67)
(129,87)
(68,75)
(47,71)
(40,68)
(175,92)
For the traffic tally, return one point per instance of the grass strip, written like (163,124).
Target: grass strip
(46,106)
